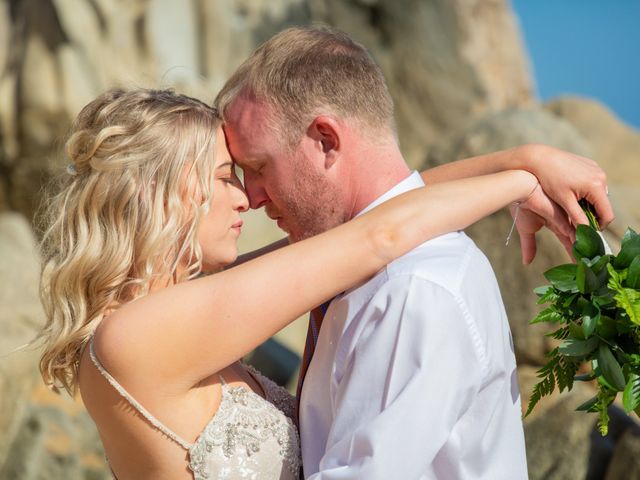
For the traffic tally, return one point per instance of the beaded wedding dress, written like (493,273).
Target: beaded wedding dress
(249,437)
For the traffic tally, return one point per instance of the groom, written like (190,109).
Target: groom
(413,375)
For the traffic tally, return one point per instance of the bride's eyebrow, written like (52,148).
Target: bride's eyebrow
(225,164)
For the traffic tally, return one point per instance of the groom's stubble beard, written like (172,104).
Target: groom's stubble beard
(313,203)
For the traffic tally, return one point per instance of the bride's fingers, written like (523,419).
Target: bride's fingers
(600,201)
(574,210)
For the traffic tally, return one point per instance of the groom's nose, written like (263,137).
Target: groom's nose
(255,191)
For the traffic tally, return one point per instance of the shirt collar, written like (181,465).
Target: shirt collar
(413,181)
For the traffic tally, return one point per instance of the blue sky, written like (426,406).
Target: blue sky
(585,47)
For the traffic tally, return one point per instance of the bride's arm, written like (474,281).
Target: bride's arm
(184,333)
(564,177)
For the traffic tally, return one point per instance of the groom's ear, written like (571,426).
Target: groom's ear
(326,131)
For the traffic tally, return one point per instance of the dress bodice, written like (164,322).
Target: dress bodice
(249,437)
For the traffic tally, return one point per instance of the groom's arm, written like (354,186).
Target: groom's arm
(403,388)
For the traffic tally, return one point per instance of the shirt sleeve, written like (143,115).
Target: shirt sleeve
(402,385)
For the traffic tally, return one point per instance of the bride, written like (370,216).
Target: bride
(150,202)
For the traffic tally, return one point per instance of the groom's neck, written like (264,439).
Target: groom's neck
(376,170)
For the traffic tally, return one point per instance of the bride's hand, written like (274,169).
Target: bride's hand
(566,178)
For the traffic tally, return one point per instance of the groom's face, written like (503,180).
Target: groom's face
(291,184)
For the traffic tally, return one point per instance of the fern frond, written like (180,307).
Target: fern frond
(547,385)
(565,371)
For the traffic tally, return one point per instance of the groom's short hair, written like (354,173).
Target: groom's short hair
(305,71)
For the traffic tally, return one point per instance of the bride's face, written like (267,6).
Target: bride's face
(220,228)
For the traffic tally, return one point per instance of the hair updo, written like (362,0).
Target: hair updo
(125,213)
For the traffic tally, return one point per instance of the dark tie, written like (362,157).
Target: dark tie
(315,322)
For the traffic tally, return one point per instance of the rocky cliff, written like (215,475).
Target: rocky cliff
(462,85)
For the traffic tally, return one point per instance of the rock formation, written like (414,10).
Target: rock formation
(461,82)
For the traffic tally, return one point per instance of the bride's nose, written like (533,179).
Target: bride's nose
(241,199)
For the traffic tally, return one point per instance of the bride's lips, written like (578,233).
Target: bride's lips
(237,226)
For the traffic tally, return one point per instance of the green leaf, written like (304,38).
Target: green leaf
(578,348)
(559,334)
(628,252)
(626,298)
(606,327)
(629,234)
(631,394)
(549,314)
(576,331)
(563,277)
(588,210)
(585,278)
(565,371)
(588,243)
(605,398)
(602,301)
(546,294)
(610,367)
(589,322)
(558,370)
(633,275)
(542,290)
(588,406)
(569,300)
(598,263)
(544,387)
(586,377)
(599,377)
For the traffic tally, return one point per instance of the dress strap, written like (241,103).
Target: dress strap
(134,403)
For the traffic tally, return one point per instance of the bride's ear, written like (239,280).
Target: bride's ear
(325,130)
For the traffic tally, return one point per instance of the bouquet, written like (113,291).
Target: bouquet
(595,306)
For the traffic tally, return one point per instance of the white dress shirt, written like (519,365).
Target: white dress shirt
(414,375)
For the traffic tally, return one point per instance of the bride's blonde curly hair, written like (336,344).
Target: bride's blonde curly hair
(122,215)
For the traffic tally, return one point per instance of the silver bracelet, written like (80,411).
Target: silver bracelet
(515,215)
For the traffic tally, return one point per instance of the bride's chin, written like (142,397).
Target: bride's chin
(219,266)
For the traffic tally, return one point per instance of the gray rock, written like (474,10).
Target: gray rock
(435,58)
(615,145)
(446,62)
(602,449)
(557,437)
(625,464)
(5,32)
(500,130)
(54,444)
(44,436)
(20,317)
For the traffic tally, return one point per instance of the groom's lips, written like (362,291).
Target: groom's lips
(280,223)
(277,218)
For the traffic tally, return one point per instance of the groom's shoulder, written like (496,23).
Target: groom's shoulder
(444,260)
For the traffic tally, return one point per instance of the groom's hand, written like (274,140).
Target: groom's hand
(536,212)
(566,178)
